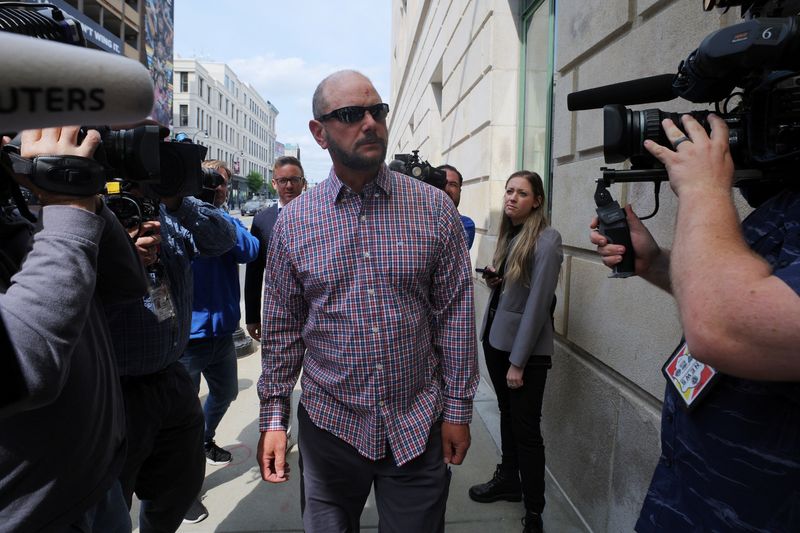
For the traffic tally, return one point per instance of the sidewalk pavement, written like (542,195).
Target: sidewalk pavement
(238,501)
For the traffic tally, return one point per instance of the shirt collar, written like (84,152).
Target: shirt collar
(335,189)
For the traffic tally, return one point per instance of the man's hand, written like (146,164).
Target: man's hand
(455,442)
(59,141)
(271,455)
(645,247)
(147,244)
(255,331)
(702,164)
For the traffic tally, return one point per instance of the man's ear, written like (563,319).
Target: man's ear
(318,131)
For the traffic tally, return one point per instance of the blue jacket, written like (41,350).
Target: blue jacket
(215,311)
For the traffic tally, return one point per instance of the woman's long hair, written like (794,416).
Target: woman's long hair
(517,251)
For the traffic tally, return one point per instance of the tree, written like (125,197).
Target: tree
(255,182)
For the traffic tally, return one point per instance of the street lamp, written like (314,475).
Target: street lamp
(198,132)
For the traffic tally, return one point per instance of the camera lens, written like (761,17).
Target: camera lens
(625,130)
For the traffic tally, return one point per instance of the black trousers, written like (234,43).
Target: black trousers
(336,481)
(165,466)
(522,445)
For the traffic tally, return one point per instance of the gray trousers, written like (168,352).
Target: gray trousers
(336,481)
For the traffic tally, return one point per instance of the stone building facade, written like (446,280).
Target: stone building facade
(483,85)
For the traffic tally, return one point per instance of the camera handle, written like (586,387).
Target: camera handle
(614,226)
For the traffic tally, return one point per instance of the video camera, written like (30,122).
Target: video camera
(211,180)
(130,209)
(73,85)
(755,64)
(412,165)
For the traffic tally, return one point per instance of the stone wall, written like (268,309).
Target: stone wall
(455,97)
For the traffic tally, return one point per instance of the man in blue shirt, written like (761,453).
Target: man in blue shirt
(165,465)
(453,190)
(732,462)
(215,317)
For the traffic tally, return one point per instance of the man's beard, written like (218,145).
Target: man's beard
(354,161)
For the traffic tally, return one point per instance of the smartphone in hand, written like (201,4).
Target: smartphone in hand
(486,272)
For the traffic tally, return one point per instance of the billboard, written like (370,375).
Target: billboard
(159,37)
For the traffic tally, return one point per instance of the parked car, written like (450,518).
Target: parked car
(251,207)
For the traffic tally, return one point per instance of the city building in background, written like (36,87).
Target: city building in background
(292,150)
(138,29)
(214,108)
(280,149)
(108,25)
(483,85)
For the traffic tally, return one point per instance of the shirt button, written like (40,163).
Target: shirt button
(376,195)
(375,329)
(379,366)
(381,403)
(363,218)
(371,292)
(667,462)
(367,255)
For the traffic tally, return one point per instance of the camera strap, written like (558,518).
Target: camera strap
(69,174)
(691,378)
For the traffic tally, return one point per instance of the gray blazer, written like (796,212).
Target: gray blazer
(522,324)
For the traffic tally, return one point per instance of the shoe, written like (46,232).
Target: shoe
(216,455)
(504,485)
(196,513)
(532,523)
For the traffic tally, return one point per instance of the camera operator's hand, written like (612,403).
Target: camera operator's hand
(59,141)
(148,242)
(651,262)
(699,164)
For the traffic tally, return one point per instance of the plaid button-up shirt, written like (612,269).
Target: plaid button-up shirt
(377,288)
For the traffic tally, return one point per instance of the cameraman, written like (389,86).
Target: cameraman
(62,428)
(165,465)
(215,317)
(733,461)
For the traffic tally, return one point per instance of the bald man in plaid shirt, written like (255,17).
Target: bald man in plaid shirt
(369,290)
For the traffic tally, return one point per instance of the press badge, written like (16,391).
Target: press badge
(160,295)
(691,378)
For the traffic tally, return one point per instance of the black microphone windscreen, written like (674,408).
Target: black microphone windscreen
(641,91)
(46,83)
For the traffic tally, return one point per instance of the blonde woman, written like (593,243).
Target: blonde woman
(517,340)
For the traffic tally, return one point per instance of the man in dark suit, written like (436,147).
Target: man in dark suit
(289,180)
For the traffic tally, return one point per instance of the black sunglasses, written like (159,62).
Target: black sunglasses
(355,113)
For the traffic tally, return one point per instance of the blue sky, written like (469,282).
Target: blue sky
(284,49)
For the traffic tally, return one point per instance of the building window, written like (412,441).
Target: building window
(201,87)
(197,119)
(183,119)
(537,89)
(183,78)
